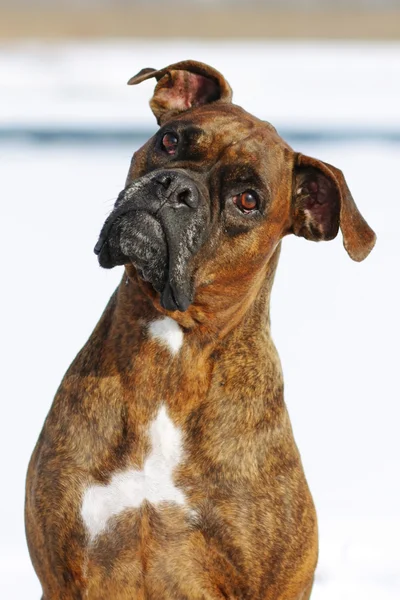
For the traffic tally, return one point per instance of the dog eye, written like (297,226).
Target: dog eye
(246,201)
(170,143)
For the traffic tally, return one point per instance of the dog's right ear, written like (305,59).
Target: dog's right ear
(182,86)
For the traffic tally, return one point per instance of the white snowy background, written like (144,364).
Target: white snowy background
(335,322)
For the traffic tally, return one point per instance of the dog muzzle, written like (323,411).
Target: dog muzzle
(159,222)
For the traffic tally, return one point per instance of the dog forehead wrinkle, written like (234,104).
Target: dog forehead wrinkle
(168,332)
(256,131)
(250,149)
(128,489)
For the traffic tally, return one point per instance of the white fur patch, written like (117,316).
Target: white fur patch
(168,332)
(128,489)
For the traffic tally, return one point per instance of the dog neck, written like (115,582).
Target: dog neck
(148,350)
(218,308)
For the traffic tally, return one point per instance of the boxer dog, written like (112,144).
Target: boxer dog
(167,467)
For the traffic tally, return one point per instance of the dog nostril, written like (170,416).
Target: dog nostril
(165,181)
(184,197)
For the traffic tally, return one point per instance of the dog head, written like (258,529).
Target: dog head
(209,197)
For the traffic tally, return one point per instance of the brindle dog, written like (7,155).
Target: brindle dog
(167,468)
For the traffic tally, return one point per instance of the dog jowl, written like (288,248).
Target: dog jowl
(167,467)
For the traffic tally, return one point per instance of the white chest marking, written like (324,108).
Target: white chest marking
(168,332)
(128,489)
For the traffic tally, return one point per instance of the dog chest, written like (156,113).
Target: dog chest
(129,488)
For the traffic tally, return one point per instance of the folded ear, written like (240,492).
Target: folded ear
(322,203)
(184,85)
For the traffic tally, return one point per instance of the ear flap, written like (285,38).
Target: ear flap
(184,85)
(322,203)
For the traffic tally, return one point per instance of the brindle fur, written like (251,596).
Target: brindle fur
(253,534)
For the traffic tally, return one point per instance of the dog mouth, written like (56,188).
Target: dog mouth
(157,234)
(138,238)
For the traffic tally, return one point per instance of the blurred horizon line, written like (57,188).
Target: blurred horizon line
(107,135)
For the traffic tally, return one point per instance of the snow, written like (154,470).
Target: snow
(298,85)
(335,322)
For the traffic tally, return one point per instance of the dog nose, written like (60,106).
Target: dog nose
(178,189)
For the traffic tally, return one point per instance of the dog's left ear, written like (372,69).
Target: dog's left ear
(322,203)
(182,86)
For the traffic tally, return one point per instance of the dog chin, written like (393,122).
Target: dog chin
(171,297)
